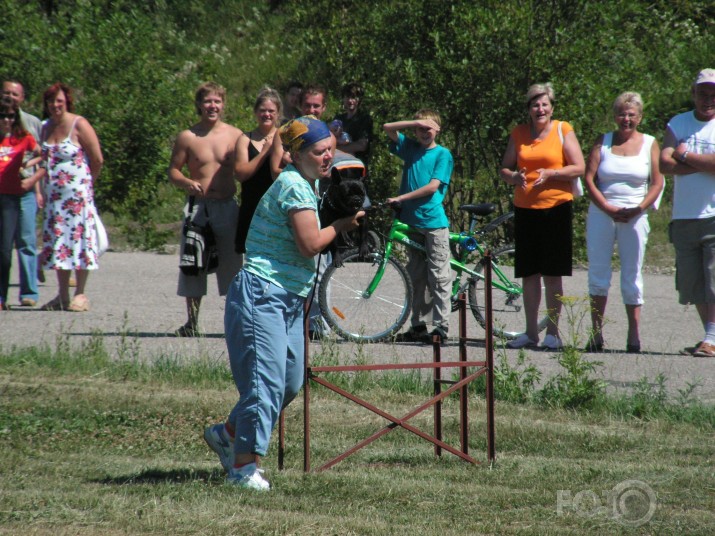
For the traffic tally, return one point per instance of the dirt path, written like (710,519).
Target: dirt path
(135,309)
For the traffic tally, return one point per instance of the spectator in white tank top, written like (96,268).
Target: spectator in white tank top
(623,181)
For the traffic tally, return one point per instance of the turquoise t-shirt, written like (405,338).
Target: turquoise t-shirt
(271,251)
(420,167)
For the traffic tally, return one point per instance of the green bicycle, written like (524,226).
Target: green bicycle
(368,299)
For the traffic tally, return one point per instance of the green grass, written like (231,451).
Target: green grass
(98,446)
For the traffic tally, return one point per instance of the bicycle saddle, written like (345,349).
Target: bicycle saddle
(482,209)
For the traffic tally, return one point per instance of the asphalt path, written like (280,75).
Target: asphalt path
(135,310)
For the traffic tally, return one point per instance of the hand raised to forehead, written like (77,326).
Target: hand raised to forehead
(428,123)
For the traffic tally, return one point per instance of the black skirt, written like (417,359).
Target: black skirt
(544,240)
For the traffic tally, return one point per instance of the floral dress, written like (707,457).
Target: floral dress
(69,236)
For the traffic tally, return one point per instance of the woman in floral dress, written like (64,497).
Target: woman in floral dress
(73,160)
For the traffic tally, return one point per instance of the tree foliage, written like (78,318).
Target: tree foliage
(136,65)
(473,61)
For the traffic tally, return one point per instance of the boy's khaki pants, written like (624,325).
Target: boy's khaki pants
(431,279)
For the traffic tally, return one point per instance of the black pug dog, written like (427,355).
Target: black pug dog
(344,197)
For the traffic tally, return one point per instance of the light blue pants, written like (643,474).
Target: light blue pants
(17,227)
(26,244)
(264,335)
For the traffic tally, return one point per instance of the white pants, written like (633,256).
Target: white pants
(601,234)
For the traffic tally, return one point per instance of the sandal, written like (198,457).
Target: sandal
(54,305)
(79,304)
(594,345)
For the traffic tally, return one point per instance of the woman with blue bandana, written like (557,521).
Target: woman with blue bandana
(264,306)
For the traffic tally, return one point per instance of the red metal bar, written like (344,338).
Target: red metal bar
(488,314)
(395,422)
(306,388)
(437,386)
(463,394)
(483,367)
(392,366)
(281,440)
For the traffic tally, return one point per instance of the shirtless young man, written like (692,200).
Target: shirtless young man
(207,150)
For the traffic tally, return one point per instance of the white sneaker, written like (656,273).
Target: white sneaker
(220,442)
(552,342)
(522,341)
(249,477)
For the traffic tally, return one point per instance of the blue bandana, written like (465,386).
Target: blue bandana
(303,132)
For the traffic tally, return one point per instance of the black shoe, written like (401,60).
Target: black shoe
(593,347)
(414,334)
(187,330)
(633,348)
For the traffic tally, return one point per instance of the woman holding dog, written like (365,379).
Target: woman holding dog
(253,162)
(264,306)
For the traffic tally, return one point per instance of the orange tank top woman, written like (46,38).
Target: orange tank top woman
(534,154)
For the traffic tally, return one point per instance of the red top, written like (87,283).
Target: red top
(12,153)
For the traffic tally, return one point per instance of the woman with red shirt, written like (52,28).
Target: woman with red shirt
(542,160)
(16,141)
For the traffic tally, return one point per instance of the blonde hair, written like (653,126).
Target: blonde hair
(538,90)
(628,99)
(269,94)
(205,89)
(426,113)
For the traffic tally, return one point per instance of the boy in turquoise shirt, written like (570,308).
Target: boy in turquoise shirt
(425,177)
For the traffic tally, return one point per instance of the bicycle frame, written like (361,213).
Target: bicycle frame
(399,234)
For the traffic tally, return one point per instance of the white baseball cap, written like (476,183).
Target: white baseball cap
(706,76)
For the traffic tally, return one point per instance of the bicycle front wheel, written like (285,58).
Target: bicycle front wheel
(507,307)
(356,317)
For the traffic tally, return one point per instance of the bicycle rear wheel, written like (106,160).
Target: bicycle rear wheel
(507,307)
(365,319)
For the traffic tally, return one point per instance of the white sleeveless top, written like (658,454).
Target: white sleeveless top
(623,180)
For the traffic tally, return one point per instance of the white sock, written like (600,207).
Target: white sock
(247,469)
(710,333)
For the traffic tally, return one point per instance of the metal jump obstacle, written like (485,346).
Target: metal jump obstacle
(460,386)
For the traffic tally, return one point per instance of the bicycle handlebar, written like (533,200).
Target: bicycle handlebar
(395,205)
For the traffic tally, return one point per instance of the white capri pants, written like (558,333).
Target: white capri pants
(601,234)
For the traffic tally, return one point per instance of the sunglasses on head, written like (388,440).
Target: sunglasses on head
(7,116)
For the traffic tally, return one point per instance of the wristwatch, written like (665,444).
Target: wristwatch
(682,157)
